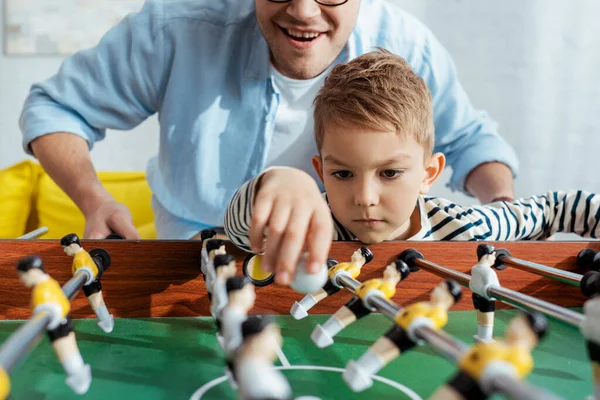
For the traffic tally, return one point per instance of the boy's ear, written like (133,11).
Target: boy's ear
(432,172)
(318,165)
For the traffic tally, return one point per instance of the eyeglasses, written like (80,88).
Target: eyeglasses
(329,3)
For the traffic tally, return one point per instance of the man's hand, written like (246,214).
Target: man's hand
(289,205)
(490,182)
(109,217)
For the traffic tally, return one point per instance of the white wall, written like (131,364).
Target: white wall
(533,64)
(124,151)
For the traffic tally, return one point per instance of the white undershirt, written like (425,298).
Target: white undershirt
(293,143)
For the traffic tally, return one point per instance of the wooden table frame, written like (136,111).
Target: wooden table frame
(162,278)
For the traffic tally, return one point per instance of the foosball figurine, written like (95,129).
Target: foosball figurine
(47,295)
(352,269)
(214,247)
(482,277)
(591,331)
(358,307)
(485,361)
(240,300)
(225,268)
(4,384)
(205,235)
(401,337)
(92,288)
(253,365)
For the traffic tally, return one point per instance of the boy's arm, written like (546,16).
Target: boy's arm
(286,206)
(539,217)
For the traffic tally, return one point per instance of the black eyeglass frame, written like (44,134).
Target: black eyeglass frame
(317,1)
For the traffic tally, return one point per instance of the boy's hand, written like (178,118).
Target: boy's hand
(289,205)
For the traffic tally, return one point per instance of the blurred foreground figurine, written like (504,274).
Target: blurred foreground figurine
(92,288)
(4,384)
(205,235)
(591,331)
(401,337)
(225,268)
(482,277)
(214,247)
(254,371)
(484,362)
(47,295)
(358,306)
(240,300)
(352,269)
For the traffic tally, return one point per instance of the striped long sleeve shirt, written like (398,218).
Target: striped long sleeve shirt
(531,218)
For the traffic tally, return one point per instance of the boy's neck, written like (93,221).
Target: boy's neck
(413,225)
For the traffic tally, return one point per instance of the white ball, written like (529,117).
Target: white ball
(308,283)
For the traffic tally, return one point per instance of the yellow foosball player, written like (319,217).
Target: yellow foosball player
(486,361)
(47,295)
(359,258)
(401,337)
(4,384)
(591,331)
(92,288)
(358,307)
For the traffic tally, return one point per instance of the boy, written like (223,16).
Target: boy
(374,130)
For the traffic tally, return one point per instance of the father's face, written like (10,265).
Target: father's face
(304,36)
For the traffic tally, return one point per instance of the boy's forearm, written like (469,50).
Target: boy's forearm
(491,181)
(66,159)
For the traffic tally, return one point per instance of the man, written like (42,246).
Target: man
(233,82)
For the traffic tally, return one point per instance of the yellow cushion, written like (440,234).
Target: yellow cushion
(17,188)
(58,212)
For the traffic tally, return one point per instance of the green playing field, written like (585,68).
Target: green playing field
(179,358)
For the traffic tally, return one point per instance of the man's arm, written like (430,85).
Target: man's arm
(66,158)
(490,182)
(115,85)
(482,162)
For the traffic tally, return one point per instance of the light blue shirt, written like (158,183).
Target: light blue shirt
(203,66)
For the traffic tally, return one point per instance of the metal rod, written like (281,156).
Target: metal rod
(34,234)
(507,295)
(522,390)
(519,299)
(27,337)
(450,348)
(23,340)
(553,273)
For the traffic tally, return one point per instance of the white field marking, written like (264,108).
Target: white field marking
(409,392)
(282,358)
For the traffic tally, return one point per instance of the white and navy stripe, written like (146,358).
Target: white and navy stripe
(532,218)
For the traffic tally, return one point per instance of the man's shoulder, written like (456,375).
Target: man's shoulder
(222,12)
(382,24)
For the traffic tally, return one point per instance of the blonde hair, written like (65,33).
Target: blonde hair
(380,91)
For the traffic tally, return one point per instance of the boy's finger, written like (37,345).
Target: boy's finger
(320,235)
(278,223)
(263,206)
(291,245)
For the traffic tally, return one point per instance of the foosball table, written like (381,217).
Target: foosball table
(164,343)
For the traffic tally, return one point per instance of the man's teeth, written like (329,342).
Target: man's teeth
(305,35)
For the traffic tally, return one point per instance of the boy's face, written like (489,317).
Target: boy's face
(305,58)
(373,179)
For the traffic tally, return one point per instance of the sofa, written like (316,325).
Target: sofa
(30,199)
